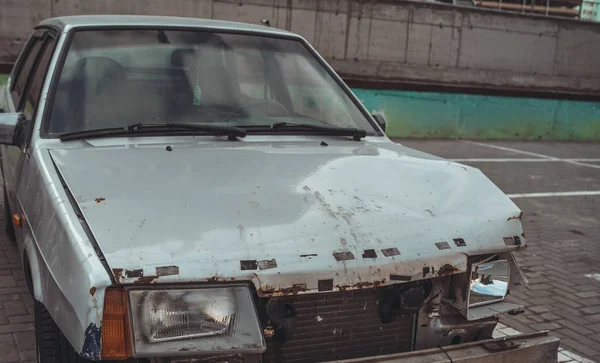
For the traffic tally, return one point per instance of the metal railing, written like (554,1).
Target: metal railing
(563,8)
(587,10)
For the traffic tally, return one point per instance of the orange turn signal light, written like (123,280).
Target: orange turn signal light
(16,220)
(116,342)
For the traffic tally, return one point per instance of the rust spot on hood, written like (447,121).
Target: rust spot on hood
(248,265)
(519,217)
(268,289)
(92,291)
(134,273)
(145,279)
(214,278)
(167,270)
(100,200)
(118,272)
(266,264)
(447,269)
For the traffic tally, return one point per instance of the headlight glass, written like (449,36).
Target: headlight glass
(489,282)
(184,321)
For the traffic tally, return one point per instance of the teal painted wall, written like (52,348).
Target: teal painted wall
(446,115)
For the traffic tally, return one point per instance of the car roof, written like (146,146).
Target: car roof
(66,23)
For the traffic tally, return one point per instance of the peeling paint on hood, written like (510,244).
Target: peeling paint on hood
(287,214)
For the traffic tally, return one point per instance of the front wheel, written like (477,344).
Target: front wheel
(52,345)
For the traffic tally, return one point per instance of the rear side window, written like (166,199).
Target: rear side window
(39,70)
(24,68)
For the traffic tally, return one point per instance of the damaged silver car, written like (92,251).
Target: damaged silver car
(186,190)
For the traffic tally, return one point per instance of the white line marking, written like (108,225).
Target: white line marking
(520,160)
(554,194)
(510,149)
(582,164)
(504,160)
(593,276)
(547,157)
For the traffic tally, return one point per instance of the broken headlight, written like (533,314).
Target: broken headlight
(481,292)
(194,320)
(489,282)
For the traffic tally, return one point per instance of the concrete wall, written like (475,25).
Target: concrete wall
(399,43)
(383,41)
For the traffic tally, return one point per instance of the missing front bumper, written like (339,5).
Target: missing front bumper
(526,348)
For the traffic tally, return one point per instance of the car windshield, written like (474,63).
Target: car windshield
(114,78)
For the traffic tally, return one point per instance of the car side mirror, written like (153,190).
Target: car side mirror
(380,119)
(8,126)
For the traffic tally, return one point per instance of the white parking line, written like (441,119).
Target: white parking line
(510,149)
(582,164)
(593,276)
(554,194)
(545,157)
(521,160)
(564,356)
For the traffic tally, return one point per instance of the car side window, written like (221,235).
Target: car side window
(36,83)
(25,66)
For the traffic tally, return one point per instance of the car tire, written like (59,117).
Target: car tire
(10,228)
(53,346)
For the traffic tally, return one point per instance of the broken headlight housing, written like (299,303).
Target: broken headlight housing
(489,282)
(183,321)
(481,292)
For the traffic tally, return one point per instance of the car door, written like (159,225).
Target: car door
(27,80)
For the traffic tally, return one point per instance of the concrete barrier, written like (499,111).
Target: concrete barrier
(384,41)
(405,46)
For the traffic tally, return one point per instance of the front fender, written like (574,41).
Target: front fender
(66,272)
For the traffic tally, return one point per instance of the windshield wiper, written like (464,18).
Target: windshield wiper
(231,132)
(114,131)
(356,134)
(218,130)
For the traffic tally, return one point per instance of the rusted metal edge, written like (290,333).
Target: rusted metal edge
(271,290)
(325,285)
(84,223)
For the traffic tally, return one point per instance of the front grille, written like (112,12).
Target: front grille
(340,325)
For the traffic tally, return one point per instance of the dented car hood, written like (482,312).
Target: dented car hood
(286,213)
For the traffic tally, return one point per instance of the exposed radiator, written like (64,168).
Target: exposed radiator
(340,325)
